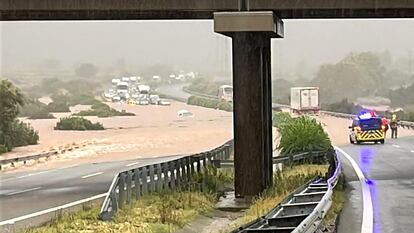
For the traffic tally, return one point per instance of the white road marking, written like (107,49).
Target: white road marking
(412,151)
(131,164)
(23,191)
(396,146)
(54,209)
(368,212)
(91,175)
(34,174)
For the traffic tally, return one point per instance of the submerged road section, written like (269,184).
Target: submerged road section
(23,193)
(389,174)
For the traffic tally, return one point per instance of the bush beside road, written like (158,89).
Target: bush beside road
(100,109)
(77,123)
(210,103)
(13,132)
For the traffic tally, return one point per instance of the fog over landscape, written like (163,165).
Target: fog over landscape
(192,45)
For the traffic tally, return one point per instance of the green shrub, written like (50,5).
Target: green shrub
(209,103)
(280,119)
(31,106)
(343,106)
(302,134)
(85,99)
(205,86)
(58,107)
(23,134)
(34,109)
(77,123)
(225,106)
(3,149)
(41,114)
(100,109)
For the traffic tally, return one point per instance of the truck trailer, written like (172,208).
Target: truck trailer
(304,100)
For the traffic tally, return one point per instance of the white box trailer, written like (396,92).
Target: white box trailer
(304,100)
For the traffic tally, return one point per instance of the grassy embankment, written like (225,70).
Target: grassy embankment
(157,212)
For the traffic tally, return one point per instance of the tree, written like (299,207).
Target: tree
(86,70)
(354,76)
(10,99)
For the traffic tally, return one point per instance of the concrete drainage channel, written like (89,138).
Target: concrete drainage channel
(302,211)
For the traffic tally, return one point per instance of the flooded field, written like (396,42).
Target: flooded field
(154,131)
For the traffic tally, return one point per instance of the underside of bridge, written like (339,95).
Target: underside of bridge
(251,25)
(199,9)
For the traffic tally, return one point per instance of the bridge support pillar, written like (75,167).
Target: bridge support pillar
(251,33)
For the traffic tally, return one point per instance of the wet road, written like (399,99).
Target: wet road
(390,171)
(175,91)
(24,193)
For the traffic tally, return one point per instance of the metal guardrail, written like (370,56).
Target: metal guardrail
(303,210)
(287,159)
(134,183)
(12,161)
(402,124)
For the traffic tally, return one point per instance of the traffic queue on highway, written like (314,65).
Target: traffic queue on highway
(130,90)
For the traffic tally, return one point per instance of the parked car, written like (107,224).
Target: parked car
(164,102)
(154,99)
(184,113)
(143,101)
(116,99)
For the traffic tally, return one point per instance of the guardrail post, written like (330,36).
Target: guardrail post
(129,187)
(190,169)
(205,159)
(166,180)
(172,166)
(198,164)
(159,177)
(121,190)
(227,152)
(179,167)
(144,179)
(152,179)
(114,201)
(184,167)
(137,183)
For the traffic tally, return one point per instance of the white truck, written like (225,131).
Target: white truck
(304,100)
(143,89)
(225,93)
(122,89)
(115,81)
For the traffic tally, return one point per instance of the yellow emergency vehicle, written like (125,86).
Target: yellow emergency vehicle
(367,127)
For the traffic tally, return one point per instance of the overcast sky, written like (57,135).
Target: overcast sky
(191,44)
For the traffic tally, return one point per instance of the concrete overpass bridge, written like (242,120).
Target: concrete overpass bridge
(199,9)
(251,25)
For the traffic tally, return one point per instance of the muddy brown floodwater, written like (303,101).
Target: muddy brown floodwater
(154,131)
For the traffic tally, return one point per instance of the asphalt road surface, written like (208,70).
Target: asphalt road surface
(389,169)
(24,193)
(175,91)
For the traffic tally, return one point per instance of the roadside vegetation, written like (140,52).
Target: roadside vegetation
(300,134)
(34,109)
(162,212)
(77,123)
(343,106)
(210,103)
(204,86)
(13,132)
(100,109)
(284,182)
